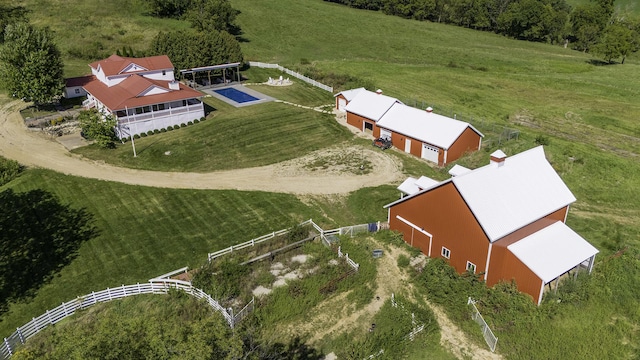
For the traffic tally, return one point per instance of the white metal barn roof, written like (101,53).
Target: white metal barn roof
(458,170)
(412,185)
(370,105)
(507,196)
(552,251)
(349,94)
(428,127)
(409,186)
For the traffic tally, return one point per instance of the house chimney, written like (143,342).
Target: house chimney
(429,109)
(498,157)
(378,91)
(174,85)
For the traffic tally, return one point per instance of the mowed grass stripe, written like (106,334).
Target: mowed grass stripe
(145,232)
(247,137)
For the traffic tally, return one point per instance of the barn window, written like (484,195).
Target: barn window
(77,91)
(471,267)
(446,252)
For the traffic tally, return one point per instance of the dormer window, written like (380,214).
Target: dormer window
(164,72)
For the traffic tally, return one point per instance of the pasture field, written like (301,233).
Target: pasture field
(587,116)
(146,232)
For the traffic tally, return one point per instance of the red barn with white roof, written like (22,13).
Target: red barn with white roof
(505,221)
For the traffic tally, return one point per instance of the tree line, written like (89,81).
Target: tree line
(595,27)
(31,66)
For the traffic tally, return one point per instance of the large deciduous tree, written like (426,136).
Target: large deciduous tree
(31,65)
(98,127)
(11,15)
(207,15)
(188,49)
(39,236)
(617,41)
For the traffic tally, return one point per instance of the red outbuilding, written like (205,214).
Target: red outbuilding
(504,221)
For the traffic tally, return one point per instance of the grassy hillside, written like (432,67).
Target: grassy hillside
(586,114)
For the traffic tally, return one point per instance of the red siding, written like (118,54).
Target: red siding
(506,267)
(338,100)
(357,122)
(442,213)
(468,141)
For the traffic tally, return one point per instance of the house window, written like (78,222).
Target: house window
(77,91)
(471,267)
(446,252)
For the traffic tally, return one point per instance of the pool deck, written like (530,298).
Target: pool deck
(262,98)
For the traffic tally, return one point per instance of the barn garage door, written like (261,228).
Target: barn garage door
(341,104)
(430,153)
(386,134)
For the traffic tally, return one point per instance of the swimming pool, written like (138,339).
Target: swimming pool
(236,95)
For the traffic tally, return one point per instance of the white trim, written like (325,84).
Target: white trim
(470,263)
(447,251)
(566,213)
(444,162)
(486,268)
(413,226)
(541,292)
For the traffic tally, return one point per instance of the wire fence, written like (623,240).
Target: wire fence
(495,134)
(489,337)
(292,73)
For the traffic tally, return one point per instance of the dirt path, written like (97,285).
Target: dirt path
(32,148)
(389,279)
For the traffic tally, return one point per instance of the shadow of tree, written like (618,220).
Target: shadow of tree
(598,62)
(38,237)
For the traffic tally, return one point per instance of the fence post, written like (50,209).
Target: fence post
(19,332)
(6,343)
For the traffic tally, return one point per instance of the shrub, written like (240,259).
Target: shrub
(203,118)
(9,170)
(163,130)
(195,121)
(169,128)
(136,136)
(542,140)
(403,261)
(143,134)
(183,125)
(156,131)
(176,127)
(189,122)
(150,132)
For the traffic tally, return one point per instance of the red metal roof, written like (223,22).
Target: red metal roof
(127,94)
(79,81)
(114,64)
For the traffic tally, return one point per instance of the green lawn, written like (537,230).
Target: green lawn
(588,114)
(145,232)
(233,138)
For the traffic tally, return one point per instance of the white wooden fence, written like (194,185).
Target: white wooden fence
(154,286)
(489,337)
(255,241)
(292,73)
(351,263)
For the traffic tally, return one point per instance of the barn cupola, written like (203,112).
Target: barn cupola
(429,109)
(379,92)
(497,157)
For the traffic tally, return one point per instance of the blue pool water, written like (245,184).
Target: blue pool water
(236,95)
